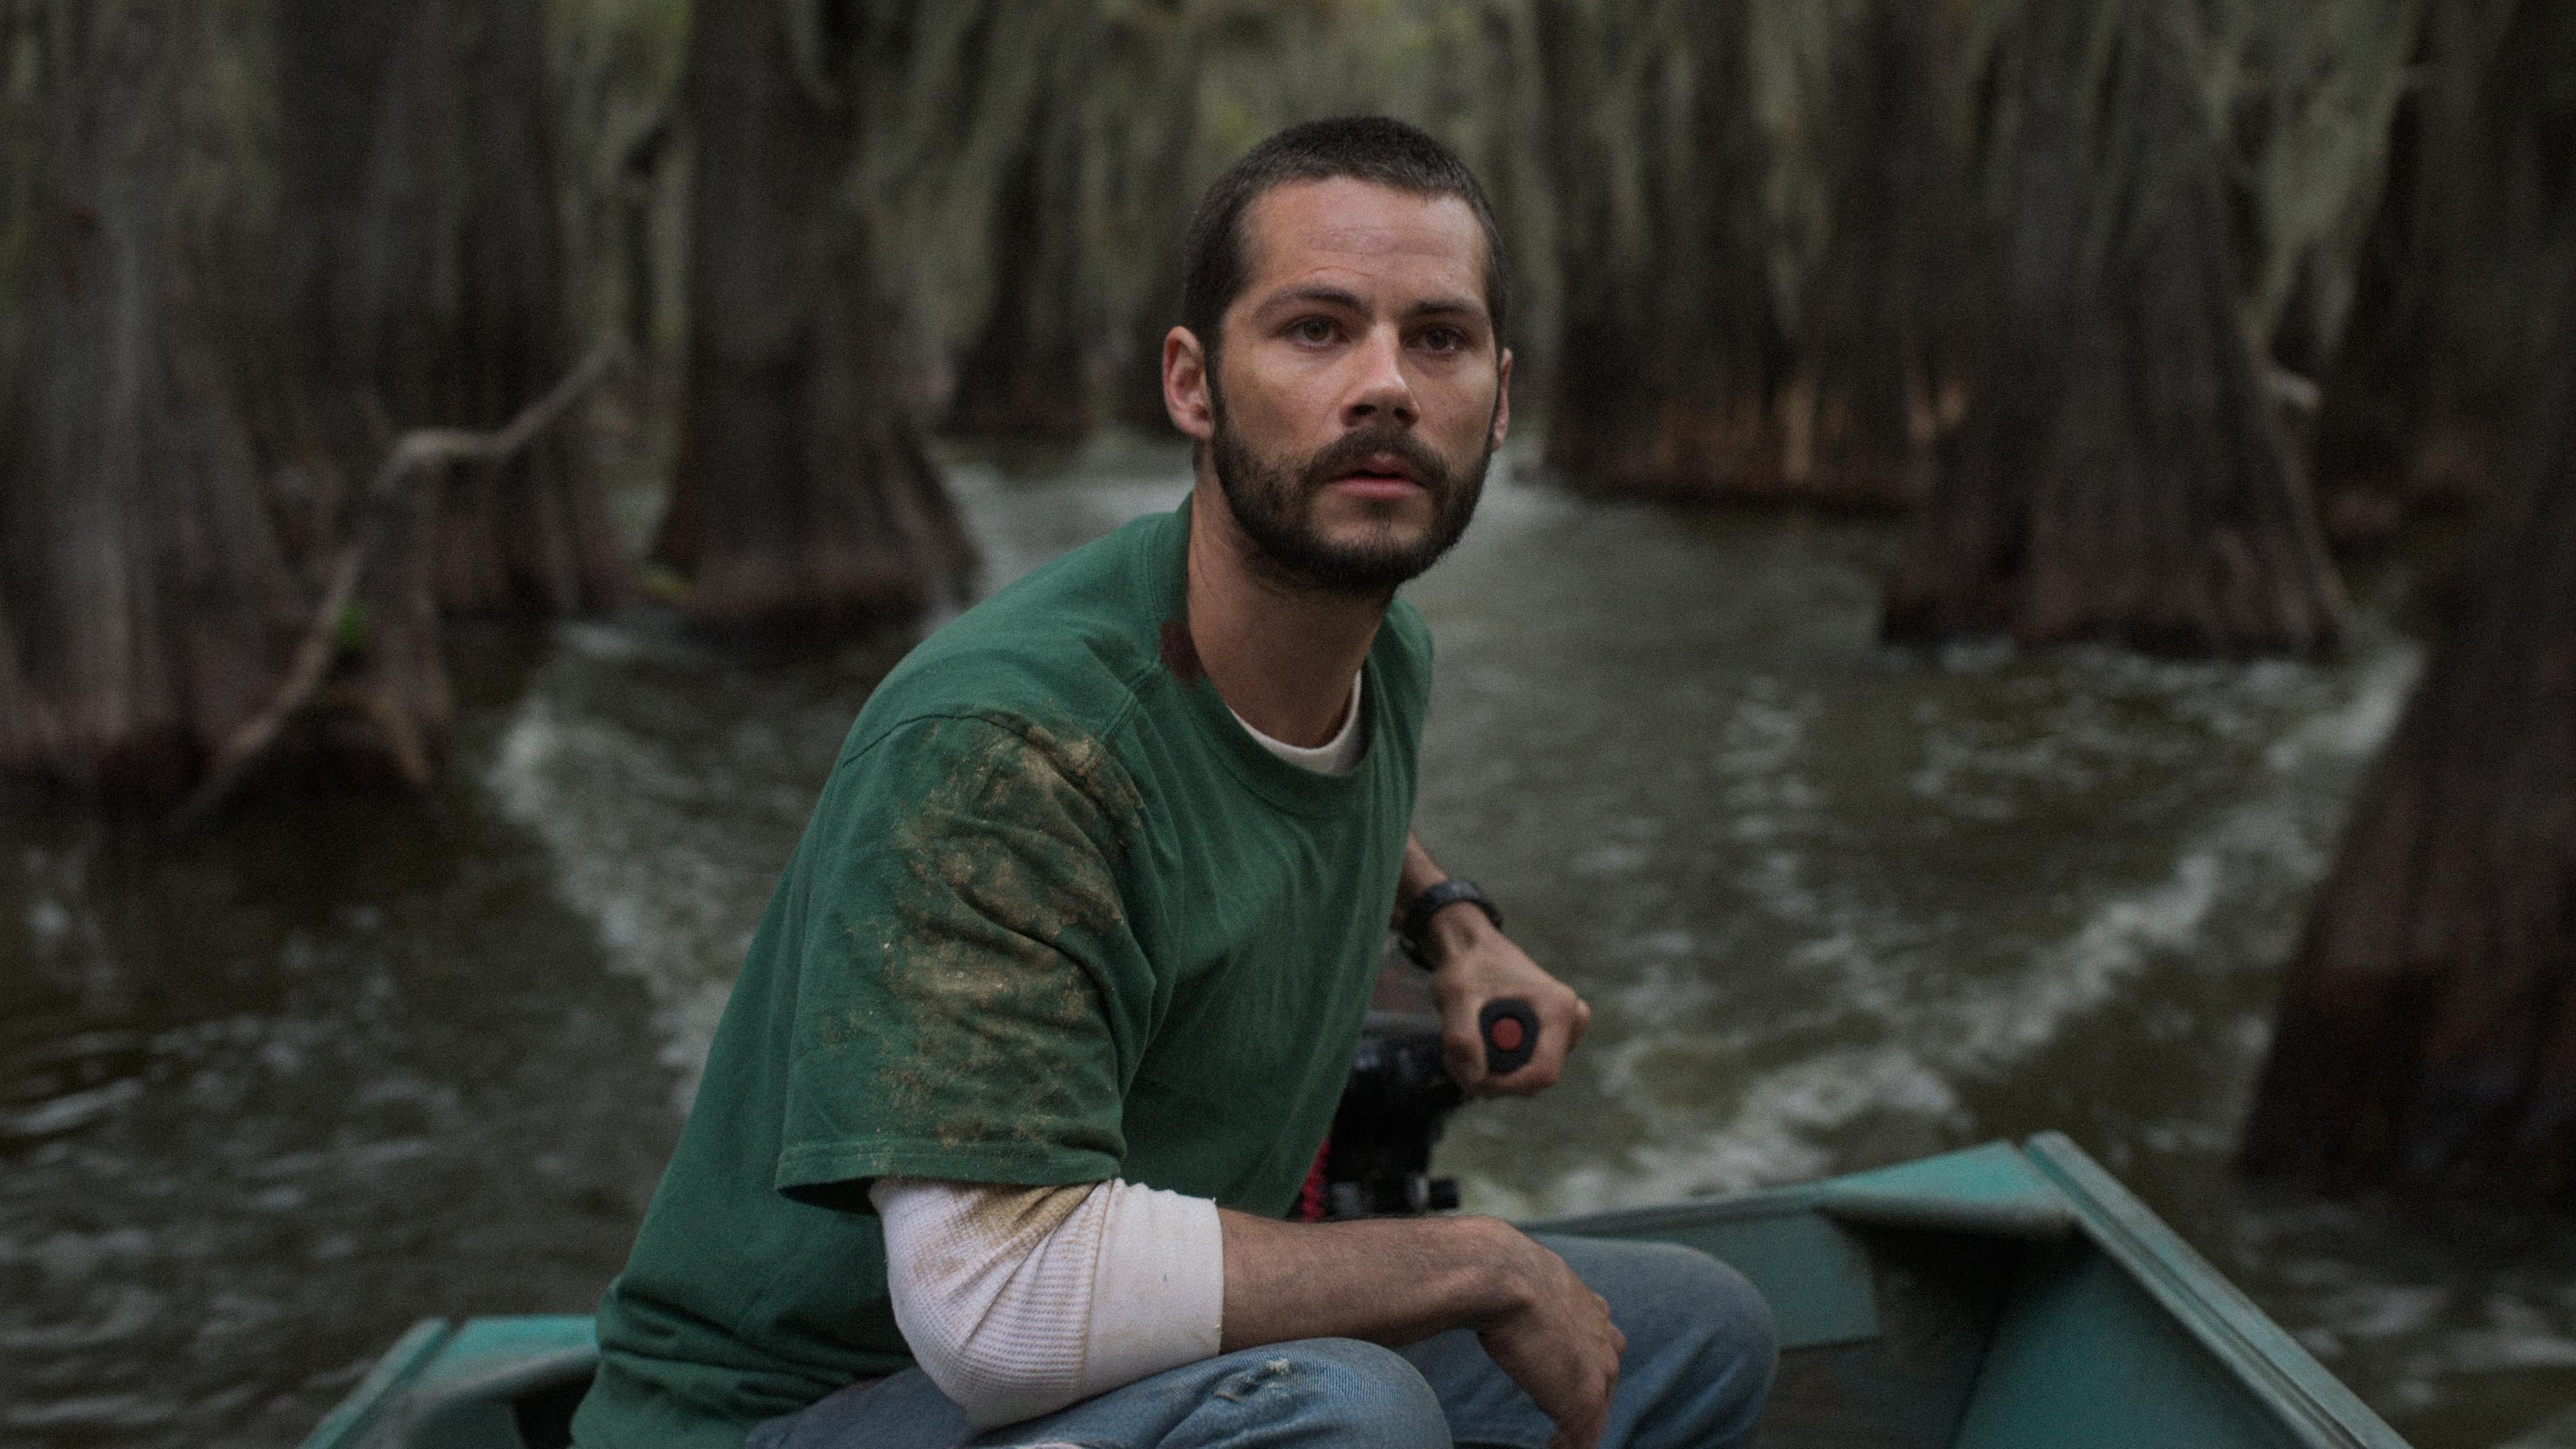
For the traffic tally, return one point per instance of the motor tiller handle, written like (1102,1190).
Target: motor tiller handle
(1509,1026)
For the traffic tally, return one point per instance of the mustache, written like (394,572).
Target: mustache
(1356,447)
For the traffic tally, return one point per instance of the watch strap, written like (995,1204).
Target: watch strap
(1413,931)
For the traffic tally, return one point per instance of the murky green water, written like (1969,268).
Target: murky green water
(267,1098)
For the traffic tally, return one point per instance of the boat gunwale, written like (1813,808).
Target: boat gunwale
(2317,1407)
(400,1364)
(2302,1396)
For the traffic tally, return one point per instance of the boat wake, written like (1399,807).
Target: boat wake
(1925,1030)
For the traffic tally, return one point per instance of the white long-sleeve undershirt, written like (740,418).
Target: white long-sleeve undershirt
(1020,1300)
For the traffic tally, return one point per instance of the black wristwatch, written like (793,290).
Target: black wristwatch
(1411,932)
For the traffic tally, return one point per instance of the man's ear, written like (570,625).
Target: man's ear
(1185,385)
(1502,400)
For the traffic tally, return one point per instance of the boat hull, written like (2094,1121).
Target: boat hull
(1999,1297)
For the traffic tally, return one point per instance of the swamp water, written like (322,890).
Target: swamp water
(267,1097)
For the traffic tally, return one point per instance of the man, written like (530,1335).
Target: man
(1043,1027)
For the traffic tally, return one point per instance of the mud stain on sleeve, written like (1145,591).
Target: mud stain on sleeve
(993,1225)
(1006,910)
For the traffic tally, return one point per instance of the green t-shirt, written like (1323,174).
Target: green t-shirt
(1057,918)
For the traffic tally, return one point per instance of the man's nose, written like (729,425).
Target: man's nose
(1381,392)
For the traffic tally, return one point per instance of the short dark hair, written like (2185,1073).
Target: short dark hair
(1377,149)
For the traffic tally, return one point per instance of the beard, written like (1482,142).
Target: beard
(1274,501)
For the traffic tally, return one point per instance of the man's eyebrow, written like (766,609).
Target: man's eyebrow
(1445,307)
(1317,294)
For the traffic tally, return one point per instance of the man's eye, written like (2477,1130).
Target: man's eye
(1444,339)
(1312,329)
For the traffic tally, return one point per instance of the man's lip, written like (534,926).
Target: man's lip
(1381,468)
(1368,484)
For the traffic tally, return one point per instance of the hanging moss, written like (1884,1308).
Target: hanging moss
(1673,349)
(613,74)
(2447,324)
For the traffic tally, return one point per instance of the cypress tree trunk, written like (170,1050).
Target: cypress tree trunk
(1135,378)
(2434,366)
(1881,370)
(424,271)
(2428,1026)
(2120,476)
(153,601)
(1136,370)
(803,492)
(1671,350)
(31,739)
(1035,369)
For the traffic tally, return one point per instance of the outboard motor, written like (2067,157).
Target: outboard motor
(1377,1162)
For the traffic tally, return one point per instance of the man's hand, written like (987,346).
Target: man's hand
(1399,1280)
(1560,1347)
(1475,963)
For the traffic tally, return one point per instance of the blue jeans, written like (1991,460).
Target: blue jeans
(1699,1360)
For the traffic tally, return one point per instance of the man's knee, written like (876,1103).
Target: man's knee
(1336,1391)
(1718,1340)
(1727,1302)
(1668,1291)
(1739,1322)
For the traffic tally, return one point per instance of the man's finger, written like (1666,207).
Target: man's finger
(1464,1054)
(1561,1025)
(1587,1433)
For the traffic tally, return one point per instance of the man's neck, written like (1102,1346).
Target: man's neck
(1281,656)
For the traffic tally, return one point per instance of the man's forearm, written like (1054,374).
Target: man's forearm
(1419,873)
(1398,1280)
(1390,1280)
(1451,931)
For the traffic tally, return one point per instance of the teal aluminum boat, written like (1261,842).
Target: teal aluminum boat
(1994,1298)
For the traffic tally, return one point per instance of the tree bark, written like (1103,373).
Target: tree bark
(413,454)
(1881,347)
(1035,370)
(1671,353)
(2120,476)
(804,495)
(2427,1030)
(2434,366)
(137,556)
(424,268)
(31,739)
(1135,384)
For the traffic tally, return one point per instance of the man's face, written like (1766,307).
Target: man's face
(1361,390)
